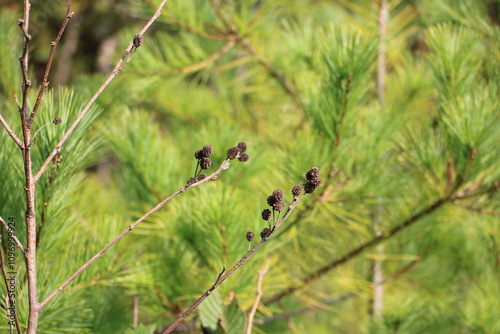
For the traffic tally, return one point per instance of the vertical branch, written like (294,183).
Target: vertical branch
(251,315)
(53,46)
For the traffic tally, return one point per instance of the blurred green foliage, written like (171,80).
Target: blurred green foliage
(297,81)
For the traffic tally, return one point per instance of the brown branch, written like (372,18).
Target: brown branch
(117,69)
(251,315)
(232,270)
(99,254)
(13,236)
(353,253)
(53,46)
(11,133)
(12,305)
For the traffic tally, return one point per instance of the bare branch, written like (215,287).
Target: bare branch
(251,315)
(13,236)
(123,61)
(241,262)
(53,46)
(99,254)
(10,132)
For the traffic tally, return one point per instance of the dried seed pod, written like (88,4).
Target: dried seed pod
(190,181)
(266,214)
(296,190)
(250,236)
(312,173)
(244,157)
(201,177)
(266,233)
(316,181)
(309,187)
(137,40)
(198,154)
(57,120)
(279,195)
(279,206)
(242,146)
(207,151)
(233,152)
(271,200)
(205,163)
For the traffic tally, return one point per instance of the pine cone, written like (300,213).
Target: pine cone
(233,152)
(205,163)
(266,214)
(242,146)
(316,181)
(309,187)
(266,233)
(244,157)
(250,236)
(296,190)
(312,173)
(207,151)
(279,195)
(279,206)
(271,200)
(198,154)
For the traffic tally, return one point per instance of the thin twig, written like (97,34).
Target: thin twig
(117,69)
(13,236)
(10,132)
(99,254)
(53,46)
(12,305)
(251,315)
(358,250)
(232,270)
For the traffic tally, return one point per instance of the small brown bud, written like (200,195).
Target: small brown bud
(266,214)
(57,120)
(191,181)
(279,206)
(296,190)
(201,177)
(244,157)
(198,154)
(278,195)
(137,40)
(266,233)
(312,173)
(233,152)
(242,146)
(250,236)
(207,151)
(205,163)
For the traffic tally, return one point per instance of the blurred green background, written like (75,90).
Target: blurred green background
(395,101)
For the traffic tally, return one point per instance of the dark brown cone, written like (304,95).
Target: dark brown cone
(312,173)
(205,163)
(279,195)
(309,187)
(316,181)
(242,146)
(279,206)
(198,154)
(207,151)
(201,177)
(266,233)
(296,190)
(244,157)
(57,120)
(271,200)
(250,236)
(266,214)
(233,152)
(137,40)
(191,181)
